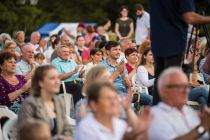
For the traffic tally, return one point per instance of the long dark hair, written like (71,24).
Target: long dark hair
(145,52)
(37,77)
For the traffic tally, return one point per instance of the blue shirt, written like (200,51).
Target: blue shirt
(65,67)
(22,67)
(168,27)
(118,82)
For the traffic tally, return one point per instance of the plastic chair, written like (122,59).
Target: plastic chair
(10,130)
(68,99)
(71,121)
(5,112)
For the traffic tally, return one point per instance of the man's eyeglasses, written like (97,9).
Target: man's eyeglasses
(183,86)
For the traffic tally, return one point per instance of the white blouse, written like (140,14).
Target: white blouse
(142,77)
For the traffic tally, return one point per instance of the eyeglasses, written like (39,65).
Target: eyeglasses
(179,87)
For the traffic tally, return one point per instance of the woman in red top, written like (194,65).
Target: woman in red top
(132,57)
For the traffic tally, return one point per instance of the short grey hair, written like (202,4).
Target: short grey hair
(4,35)
(26,46)
(61,47)
(166,73)
(19,32)
(33,33)
(123,39)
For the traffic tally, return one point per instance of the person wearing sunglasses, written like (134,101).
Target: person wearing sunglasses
(173,119)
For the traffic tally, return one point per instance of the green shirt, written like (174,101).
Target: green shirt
(65,67)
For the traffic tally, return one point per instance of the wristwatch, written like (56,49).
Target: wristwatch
(200,129)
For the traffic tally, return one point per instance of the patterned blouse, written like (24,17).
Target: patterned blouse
(6,88)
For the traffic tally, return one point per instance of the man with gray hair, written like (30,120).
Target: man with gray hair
(173,119)
(69,72)
(35,38)
(65,40)
(26,66)
(125,43)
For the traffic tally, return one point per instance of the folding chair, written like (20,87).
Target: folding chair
(10,130)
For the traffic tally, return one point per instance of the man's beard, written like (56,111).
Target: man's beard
(114,57)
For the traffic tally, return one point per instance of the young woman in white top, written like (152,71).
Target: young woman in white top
(145,72)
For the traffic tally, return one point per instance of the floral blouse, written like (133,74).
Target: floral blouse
(6,88)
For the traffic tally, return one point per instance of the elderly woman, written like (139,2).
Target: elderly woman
(44,104)
(102,123)
(12,47)
(13,88)
(97,72)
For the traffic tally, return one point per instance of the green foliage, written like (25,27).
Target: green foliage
(29,18)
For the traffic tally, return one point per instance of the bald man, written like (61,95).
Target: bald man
(26,66)
(173,119)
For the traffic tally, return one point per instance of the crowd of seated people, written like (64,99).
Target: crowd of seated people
(99,73)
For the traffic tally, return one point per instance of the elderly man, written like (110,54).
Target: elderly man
(69,72)
(65,40)
(125,43)
(26,66)
(35,38)
(173,119)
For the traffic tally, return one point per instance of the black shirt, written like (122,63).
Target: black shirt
(168,28)
(124,26)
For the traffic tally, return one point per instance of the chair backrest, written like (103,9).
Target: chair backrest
(10,130)
(5,112)
(71,121)
(68,99)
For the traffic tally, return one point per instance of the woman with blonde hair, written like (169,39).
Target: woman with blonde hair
(11,46)
(97,72)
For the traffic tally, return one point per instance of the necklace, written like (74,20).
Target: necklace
(11,79)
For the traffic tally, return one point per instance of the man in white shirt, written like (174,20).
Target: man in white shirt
(142,25)
(173,119)
(27,65)
(34,40)
(125,43)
